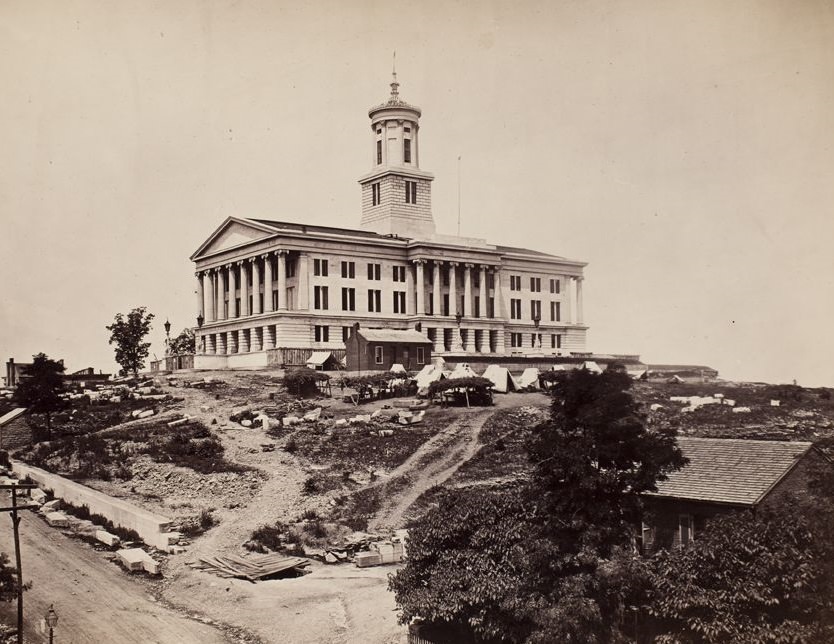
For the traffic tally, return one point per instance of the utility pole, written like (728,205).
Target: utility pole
(13,510)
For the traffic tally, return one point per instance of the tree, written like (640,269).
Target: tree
(41,388)
(550,560)
(183,344)
(127,334)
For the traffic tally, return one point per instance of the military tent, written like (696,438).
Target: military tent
(502,379)
(591,366)
(529,378)
(462,370)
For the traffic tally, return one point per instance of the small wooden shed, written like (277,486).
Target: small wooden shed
(380,349)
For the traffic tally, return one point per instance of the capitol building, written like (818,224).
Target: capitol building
(274,292)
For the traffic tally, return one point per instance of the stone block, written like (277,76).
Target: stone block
(741,410)
(151,567)
(57,520)
(775,403)
(341,423)
(132,558)
(366,559)
(51,506)
(146,414)
(312,416)
(106,538)
(170,538)
(38,495)
(175,550)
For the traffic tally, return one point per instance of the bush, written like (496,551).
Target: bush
(311,485)
(303,381)
(291,446)
(267,537)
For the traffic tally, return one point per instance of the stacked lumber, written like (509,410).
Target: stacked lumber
(252,568)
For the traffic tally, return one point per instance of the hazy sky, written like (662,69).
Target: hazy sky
(684,149)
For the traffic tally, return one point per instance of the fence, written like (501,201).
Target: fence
(297,357)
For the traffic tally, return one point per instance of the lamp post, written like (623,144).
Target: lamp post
(51,618)
(538,342)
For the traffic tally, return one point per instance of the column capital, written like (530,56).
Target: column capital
(454,263)
(418,261)
(252,259)
(239,262)
(469,265)
(281,251)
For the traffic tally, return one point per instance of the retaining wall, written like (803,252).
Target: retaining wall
(150,527)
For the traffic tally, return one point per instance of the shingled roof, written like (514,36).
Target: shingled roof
(731,471)
(394,335)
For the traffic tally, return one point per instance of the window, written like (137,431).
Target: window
(555,311)
(375,194)
(320,297)
(320,267)
(686,529)
(536,339)
(555,286)
(491,308)
(378,152)
(536,284)
(407,150)
(421,355)
(535,309)
(515,340)
(378,354)
(477,306)
(322,333)
(374,272)
(291,268)
(647,538)
(445,304)
(348,270)
(345,333)
(515,282)
(374,301)
(348,299)
(399,302)
(555,341)
(431,303)
(515,309)
(411,192)
(445,275)
(399,273)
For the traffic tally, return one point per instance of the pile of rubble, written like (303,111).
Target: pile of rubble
(116,393)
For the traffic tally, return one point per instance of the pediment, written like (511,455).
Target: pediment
(232,233)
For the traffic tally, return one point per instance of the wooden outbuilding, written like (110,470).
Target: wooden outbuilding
(380,349)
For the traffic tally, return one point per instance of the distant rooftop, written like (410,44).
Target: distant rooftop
(729,470)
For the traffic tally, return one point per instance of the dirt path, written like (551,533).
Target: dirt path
(434,462)
(95,600)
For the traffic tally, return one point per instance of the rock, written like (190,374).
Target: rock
(656,406)
(51,506)
(246,423)
(146,414)
(341,423)
(386,432)
(312,416)
(775,403)
(741,410)
(330,558)
(377,413)
(38,495)
(289,421)
(106,538)
(57,520)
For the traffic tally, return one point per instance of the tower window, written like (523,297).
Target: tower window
(407,150)
(411,192)
(379,152)
(375,194)
(407,129)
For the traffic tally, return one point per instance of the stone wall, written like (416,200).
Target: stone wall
(16,434)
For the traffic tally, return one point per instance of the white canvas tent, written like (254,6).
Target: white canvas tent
(462,370)
(428,374)
(502,379)
(591,366)
(529,378)
(397,368)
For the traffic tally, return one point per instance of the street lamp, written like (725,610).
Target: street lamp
(538,342)
(167,326)
(200,320)
(51,618)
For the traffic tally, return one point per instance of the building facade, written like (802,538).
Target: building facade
(268,289)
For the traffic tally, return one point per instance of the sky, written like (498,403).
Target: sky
(684,150)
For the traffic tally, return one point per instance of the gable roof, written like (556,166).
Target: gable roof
(14,413)
(394,335)
(731,470)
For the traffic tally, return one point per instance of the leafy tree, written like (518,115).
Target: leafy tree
(127,334)
(551,562)
(183,344)
(42,387)
(8,580)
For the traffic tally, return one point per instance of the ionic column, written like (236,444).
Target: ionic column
(221,296)
(484,301)
(201,303)
(232,292)
(304,281)
(410,297)
(436,286)
(256,287)
(567,295)
(498,294)
(210,297)
(267,283)
(244,288)
(580,316)
(282,280)
(421,284)
(467,290)
(453,291)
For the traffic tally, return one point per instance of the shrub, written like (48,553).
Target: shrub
(311,485)
(268,537)
(291,446)
(303,381)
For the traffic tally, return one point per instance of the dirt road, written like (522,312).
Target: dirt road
(95,600)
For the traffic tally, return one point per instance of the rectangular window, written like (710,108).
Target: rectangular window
(431,303)
(320,297)
(290,268)
(399,273)
(421,355)
(374,271)
(322,333)
(515,309)
(515,282)
(348,270)
(320,267)
(490,281)
(555,311)
(536,284)
(411,192)
(445,304)
(477,306)
(407,150)
(515,340)
(534,337)
(399,302)
(445,275)
(348,299)
(374,301)
(375,194)
(686,529)
(555,341)
(345,333)
(647,534)
(491,308)
(378,355)
(378,152)
(535,309)
(555,287)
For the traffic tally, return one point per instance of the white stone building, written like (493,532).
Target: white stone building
(271,292)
